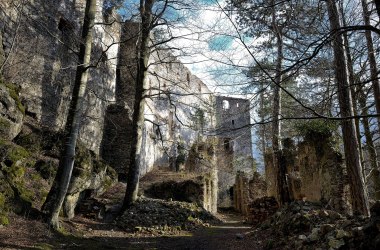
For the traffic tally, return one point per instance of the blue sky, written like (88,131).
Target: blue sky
(220,42)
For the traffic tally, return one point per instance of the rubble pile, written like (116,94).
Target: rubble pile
(160,217)
(260,209)
(304,225)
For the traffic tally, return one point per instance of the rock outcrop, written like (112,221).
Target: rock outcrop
(11,111)
(91,177)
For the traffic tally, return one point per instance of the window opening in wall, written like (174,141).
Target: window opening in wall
(237,105)
(226,143)
(233,122)
(225,105)
(188,78)
(157,132)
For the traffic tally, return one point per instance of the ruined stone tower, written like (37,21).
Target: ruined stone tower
(235,143)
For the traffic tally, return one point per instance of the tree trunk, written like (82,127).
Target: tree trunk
(262,119)
(375,173)
(138,107)
(57,193)
(281,183)
(353,88)
(371,58)
(359,197)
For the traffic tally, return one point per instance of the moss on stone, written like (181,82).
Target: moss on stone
(17,153)
(31,141)
(46,169)
(14,93)
(15,196)
(83,161)
(4,219)
(4,126)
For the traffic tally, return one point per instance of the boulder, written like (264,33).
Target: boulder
(14,195)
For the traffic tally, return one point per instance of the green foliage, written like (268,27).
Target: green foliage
(314,129)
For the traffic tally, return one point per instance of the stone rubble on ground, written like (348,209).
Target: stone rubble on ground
(305,225)
(260,209)
(160,217)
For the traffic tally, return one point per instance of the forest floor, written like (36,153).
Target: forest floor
(298,225)
(84,233)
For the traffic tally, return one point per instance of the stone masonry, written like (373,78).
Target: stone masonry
(235,143)
(315,172)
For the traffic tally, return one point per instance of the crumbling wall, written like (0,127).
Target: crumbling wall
(202,159)
(323,174)
(246,190)
(177,109)
(315,172)
(234,151)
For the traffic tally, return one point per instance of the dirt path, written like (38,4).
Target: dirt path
(229,235)
(87,234)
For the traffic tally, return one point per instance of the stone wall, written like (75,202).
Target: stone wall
(40,40)
(315,172)
(177,109)
(202,159)
(246,190)
(234,149)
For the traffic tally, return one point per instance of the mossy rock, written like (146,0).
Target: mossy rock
(83,160)
(3,210)
(4,127)
(46,169)
(14,93)
(4,219)
(15,196)
(32,141)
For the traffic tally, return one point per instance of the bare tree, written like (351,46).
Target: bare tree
(143,52)
(57,194)
(359,197)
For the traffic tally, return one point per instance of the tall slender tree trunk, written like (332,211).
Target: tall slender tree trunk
(353,88)
(359,197)
(57,193)
(374,172)
(281,182)
(262,118)
(138,107)
(372,58)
